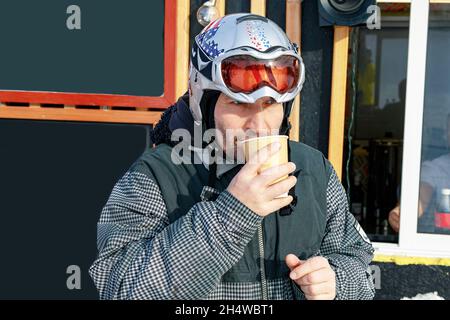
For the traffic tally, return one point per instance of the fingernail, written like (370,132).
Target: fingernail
(293,275)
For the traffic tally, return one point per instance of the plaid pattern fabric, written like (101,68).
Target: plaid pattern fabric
(346,246)
(279,289)
(142,256)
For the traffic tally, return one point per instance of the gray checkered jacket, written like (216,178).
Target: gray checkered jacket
(141,255)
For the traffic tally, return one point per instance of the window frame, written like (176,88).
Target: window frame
(411,242)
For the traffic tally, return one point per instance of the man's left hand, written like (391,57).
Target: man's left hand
(314,276)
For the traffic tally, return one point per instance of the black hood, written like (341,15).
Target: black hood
(179,116)
(162,131)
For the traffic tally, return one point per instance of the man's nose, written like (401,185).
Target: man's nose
(256,120)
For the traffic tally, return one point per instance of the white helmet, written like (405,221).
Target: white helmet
(246,57)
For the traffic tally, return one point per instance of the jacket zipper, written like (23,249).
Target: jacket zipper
(261,263)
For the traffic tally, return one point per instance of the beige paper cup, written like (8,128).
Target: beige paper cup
(251,146)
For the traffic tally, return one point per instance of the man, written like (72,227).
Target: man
(179,229)
(434,177)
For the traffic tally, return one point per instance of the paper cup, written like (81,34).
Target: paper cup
(251,146)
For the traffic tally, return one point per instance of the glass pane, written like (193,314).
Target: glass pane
(374,121)
(434,192)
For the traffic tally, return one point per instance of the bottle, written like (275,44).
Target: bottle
(364,216)
(442,214)
(377,221)
(357,198)
(385,227)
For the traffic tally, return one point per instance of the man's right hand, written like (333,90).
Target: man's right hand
(394,218)
(253,189)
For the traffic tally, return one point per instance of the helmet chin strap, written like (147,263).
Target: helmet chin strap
(284,130)
(207,107)
(285,125)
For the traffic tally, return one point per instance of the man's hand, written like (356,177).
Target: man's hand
(314,276)
(254,189)
(394,218)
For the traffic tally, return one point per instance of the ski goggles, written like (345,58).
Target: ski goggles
(246,74)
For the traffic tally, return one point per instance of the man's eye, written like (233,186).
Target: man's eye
(236,102)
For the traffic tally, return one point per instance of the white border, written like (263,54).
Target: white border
(393,249)
(417,53)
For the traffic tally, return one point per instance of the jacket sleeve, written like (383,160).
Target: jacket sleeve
(346,246)
(142,256)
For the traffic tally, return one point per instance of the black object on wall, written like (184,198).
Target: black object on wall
(237,6)
(317,53)
(276,11)
(55,178)
(344,12)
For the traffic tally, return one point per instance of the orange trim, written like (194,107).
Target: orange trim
(73,114)
(258,7)
(338,94)
(182,60)
(294,32)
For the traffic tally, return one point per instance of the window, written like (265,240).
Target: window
(422,229)
(434,189)
(397,128)
(374,121)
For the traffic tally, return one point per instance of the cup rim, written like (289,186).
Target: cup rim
(264,137)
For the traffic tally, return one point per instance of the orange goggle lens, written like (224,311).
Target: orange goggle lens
(246,74)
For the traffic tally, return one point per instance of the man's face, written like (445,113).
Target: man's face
(238,121)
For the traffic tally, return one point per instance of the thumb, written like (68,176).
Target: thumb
(293,261)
